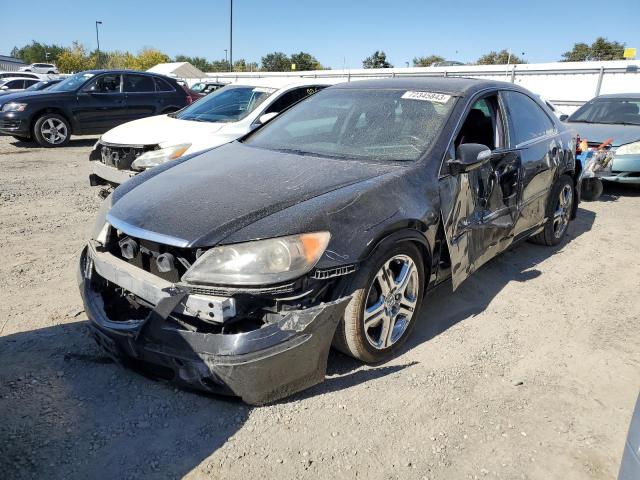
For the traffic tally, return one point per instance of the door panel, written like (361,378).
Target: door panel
(479,210)
(101,105)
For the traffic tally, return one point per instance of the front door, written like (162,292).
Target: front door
(101,105)
(479,208)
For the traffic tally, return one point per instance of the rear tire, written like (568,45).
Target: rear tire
(386,294)
(558,214)
(52,130)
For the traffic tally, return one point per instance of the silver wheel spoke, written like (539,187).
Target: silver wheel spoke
(385,279)
(387,330)
(373,315)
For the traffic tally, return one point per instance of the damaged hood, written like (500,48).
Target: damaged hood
(164,130)
(599,132)
(199,202)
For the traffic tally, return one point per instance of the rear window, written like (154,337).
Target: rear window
(163,85)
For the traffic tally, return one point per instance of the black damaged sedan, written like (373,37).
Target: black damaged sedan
(236,270)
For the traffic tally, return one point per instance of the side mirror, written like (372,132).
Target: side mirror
(266,117)
(563,117)
(469,156)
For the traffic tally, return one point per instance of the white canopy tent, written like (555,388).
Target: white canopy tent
(178,69)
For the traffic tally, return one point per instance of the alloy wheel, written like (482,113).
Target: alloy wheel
(563,211)
(54,131)
(391,301)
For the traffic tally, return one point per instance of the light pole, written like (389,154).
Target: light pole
(231,36)
(98,22)
(226,61)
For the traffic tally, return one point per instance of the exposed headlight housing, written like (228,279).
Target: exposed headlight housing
(153,158)
(629,149)
(261,262)
(14,107)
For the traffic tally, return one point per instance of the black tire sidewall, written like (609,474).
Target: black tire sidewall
(359,288)
(38,136)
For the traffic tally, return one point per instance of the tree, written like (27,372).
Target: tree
(37,52)
(305,61)
(120,60)
(427,61)
(276,62)
(74,59)
(377,60)
(200,63)
(502,57)
(600,49)
(149,57)
(242,65)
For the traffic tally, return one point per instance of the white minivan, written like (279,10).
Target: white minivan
(220,117)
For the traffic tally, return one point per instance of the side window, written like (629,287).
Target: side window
(138,83)
(480,124)
(526,119)
(28,83)
(15,84)
(162,85)
(109,83)
(292,96)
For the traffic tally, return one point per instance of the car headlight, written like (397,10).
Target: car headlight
(259,262)
(100,226)
(14,107)
(156,157)
(629,149)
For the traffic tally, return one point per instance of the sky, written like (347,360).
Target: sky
(337,32)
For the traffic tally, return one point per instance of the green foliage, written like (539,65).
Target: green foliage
(377,60)
(600,49)
(305,61)
(276,62)
(36,52)
(74,59)
(502,57)
(243,66)
(427,61)
(149,57)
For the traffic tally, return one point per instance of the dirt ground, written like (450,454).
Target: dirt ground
(530,370)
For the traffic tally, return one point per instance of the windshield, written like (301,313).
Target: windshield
(609,110)
(387,125)
(229,104)
(198,87)
(37,86)
(71,83)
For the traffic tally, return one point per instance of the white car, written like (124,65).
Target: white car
(219,118)
(48,68)
(15,84)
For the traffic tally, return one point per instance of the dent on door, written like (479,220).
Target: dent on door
(479,210)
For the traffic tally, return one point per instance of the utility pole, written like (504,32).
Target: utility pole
(231,36)
(226,60)
(98,22)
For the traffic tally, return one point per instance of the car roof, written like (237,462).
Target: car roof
(635,96)
(7,79)
(459,86)
(285,82)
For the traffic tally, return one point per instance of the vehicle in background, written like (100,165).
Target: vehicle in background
(218,118)
(42,85)
(20,75)
(553,107)
(614,117)
(448,63)
(235,270)
(630,465)
(13,84)
(48,68)
(204,88)
(86,103)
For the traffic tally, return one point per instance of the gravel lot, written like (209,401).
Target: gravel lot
(530,370)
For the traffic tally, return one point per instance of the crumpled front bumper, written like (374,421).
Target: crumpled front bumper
(259,366)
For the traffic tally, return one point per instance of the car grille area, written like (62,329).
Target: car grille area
(120,156)
(164,261)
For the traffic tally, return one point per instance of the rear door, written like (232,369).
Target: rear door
(479,208)
(533,134)
(140,96)
(100,105)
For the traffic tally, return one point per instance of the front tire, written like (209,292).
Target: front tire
(386,294)
(52,130)
(559,211)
